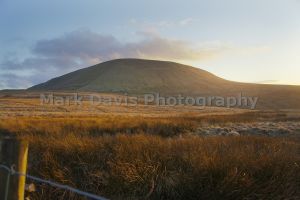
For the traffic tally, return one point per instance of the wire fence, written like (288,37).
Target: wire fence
(11,172)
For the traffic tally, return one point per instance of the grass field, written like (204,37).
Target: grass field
(156,153)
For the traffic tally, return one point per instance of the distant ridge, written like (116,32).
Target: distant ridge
(137,76)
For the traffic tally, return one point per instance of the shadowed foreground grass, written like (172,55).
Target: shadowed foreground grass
(135,158)
(144,166)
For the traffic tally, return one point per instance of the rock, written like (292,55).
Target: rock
(30,187)
(233,133)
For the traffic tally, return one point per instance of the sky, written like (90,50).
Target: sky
(255,41)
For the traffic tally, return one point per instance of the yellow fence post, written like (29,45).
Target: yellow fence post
(13,154)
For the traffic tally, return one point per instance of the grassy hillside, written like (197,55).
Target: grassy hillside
(136,76)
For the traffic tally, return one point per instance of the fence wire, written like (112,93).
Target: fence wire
(12,172)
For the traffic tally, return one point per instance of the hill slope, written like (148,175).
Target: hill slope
(136,76)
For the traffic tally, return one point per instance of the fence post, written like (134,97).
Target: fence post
(13,153)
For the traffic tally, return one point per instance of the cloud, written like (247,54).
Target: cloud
(82,48)
(10,80)
(88,47)
(186,21)
(155,47)
(81,45)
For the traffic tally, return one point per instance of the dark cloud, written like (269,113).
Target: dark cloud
(80,44)
(39,63)
(89,47)
(81,48)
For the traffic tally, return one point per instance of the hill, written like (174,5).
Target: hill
(137,76)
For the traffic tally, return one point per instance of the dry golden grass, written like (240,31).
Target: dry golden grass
(144,166)
(113,124)
(127,157)
(153,156)
(30,106)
